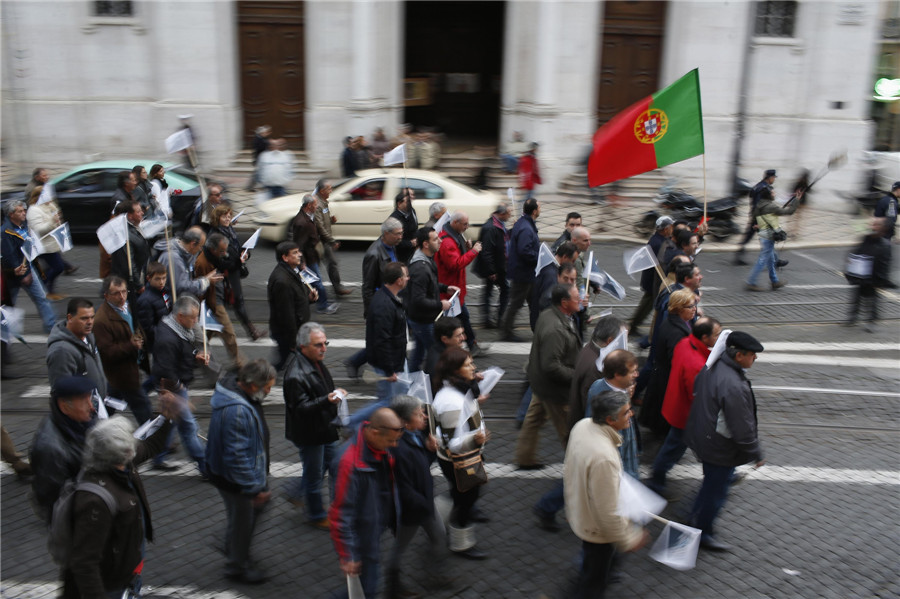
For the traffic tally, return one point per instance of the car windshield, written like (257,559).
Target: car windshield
(88,182)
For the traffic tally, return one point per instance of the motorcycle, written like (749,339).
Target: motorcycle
(682,206)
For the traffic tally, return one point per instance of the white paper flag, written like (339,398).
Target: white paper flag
(251,243)
(637,502)
(639,259)
(343,409)
(153,226)
(586,274)
(63,237)
(718,349)
(455,308)
(147,429)
(607,284)
(545,257)
(309,277)
(234,220)
(620,342)
(12,324)
(180,140)
(396,156)
(208,320)
(443,220)
(113,233)
(115,403)
(677,546)
(354,588)
(47,194)
(420,386)
(492,376)
(32,247)
(102,414)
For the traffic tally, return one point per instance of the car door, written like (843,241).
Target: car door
(85,198)
(360,207)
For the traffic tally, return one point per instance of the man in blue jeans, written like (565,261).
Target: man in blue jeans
(767,212)
(311,418)
(306,236)
(422,296)
(17,267)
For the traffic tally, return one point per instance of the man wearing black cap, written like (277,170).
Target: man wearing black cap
(887,208)
(760,190)
(722,429)
(650,280)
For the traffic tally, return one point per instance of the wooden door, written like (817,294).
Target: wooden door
(272,69)
(630,53)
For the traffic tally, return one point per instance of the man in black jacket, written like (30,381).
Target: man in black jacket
(311,418)
(868,269)
(134,271)
(406,214)
(422,296)
(386,332)
(490,264)
(289,299)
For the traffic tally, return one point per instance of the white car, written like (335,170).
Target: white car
(362,203)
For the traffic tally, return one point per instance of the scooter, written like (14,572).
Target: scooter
(683,206)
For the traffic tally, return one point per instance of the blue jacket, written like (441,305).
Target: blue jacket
(236,449)
(415,485)
(13,238)
(524,246)
(365,500)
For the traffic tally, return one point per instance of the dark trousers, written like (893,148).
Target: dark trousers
(467,326)
(865,295)
(595,567)
(748,234)
(519,293)
(712,495)
(241,516)
(334,274)
(643,309)
(672,450)
(503,286)
(240,308)
(284,347)
(463,502)
(138,402)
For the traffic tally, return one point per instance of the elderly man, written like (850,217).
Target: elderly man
(209,261)
(406,214)
(491,262)
(306,235)
(18,271)
(311,418)
(120,341)
(133,271)
(72,349)
(573,219)
(289,299)
(382,252)
(422,296)
(688,360)
(324,220)
(435,212)
(591,474)
(237,457)
(620,372)
(183,253)
(125,184)
(365,497)
(722,430)
(174,358)
(524,245)
(551,367)
(649,278)
(454,255)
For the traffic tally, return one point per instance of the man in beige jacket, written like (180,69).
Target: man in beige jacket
(329,245)
(591,476)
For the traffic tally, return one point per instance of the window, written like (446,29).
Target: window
(775,19)
(370,190)
(425,190)
(92,181)
(113,8)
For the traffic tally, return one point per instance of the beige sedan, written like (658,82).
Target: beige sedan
(363,202)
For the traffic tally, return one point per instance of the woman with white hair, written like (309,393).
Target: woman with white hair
(107,551)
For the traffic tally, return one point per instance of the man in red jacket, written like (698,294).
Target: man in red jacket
(529,172)
(688,359)
(454,255)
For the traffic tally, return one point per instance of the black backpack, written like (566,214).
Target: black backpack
(59,542)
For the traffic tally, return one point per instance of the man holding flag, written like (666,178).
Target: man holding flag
(208,262)
(130,261)
(18,251)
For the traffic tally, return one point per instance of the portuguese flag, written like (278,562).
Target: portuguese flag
(661,129)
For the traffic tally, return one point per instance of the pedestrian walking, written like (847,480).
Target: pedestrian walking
(490,265)
(452,258)
(288,297)
(324,220)
(868,269)
(19,272)
(524,245)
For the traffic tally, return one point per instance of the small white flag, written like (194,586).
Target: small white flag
(396,156)
(491,376)
(47,194)
(309,277)
(208,320)
(640,259)
(455,309)
(234,220)
(620,342)
(718,349)
(420,386)
(102,414)
(63,237)
(153,226)
(677,546)
(443,220)
(180,140)
(251,243)
(586,274)
(32,247)
(147,429)
(545,257)
(12,324)
(113,233)
(607,284)
(637,502)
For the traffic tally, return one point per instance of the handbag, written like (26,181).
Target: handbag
(779,234)
(468,470)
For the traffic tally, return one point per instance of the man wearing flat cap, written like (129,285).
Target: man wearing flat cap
(722,429)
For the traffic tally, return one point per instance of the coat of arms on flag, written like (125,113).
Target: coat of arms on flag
(651,125)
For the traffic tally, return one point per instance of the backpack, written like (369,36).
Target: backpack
(59,542)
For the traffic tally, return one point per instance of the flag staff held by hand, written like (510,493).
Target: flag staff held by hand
(171,268)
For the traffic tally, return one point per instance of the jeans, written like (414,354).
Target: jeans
(276,191)
(423,333)
(55,267)
(552,501)
(510,163)
(359,359)
(766,261)
(322,302)
(316,460)
(712,495)
(503,286)
(38,295)
(671,451)
(138,402)
(241,517)
(187,428)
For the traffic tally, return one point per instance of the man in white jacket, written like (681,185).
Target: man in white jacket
(591,474)
(276,168)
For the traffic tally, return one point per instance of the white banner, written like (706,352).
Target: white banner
(113,234)
(395,156)
(180,140)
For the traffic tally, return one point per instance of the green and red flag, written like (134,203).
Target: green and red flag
(658,130)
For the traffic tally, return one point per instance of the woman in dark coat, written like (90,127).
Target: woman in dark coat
(675,327)
(232,264)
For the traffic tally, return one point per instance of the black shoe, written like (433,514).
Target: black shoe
(164,466)
(712,544)
(477,515)
(740,261)
(530,466)
(512,338)
(546,522)
(71,270)
(473,553)
(248,576)
(781,263)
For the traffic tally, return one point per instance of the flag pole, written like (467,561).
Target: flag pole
(128,253)
(704,187)
(203,307)
(662,276)
(171,268)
